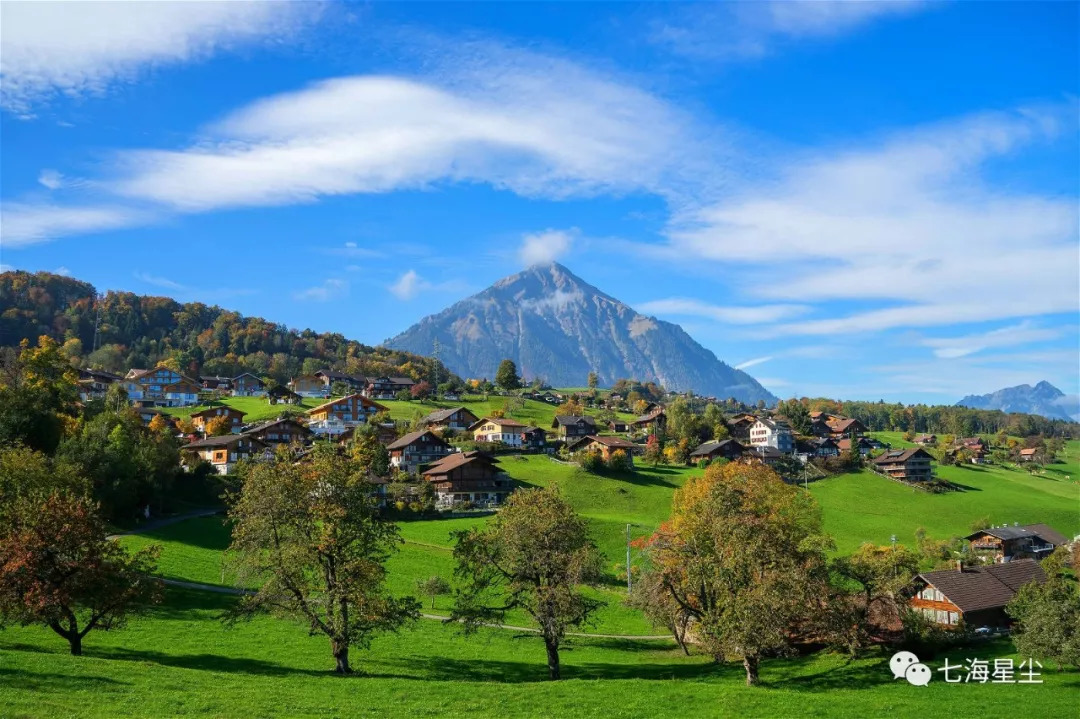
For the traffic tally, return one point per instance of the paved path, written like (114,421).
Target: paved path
(437,617)
(166,521)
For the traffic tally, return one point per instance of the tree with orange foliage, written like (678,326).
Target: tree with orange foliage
(217,426)
(57,568)
(158,423)
(743,555)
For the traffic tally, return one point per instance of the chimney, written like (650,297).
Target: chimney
(960,565)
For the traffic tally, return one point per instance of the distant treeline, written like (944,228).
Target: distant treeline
(141,331)
(939,419)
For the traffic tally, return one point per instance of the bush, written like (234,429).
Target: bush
(620,461)
(591,462)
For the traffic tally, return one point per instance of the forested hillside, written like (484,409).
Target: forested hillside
(141,330)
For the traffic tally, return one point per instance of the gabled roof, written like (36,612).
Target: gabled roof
(774,424)
(223,441)
(256,377)
(572,419)
(649,416)
(411,437)
(364,402)
(611,442)
(334,375)
(459,459)
(137,374)
(274,422)
(842,424)
(1041,531)
(392,380)
(213,411)
(1029,451)
(502,422)
(707,448)
(901,455)
(100,373)
(987,586)
(442,414)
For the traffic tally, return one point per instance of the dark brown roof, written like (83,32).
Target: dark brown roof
(459,459)
(570,419)
(707,448)
(841,424)
(213,411)
(364,402)
(900,455)
(406,440)
(1042,531)
(984,587)
(223,441)
(612,442)
(440,414)
(274,422)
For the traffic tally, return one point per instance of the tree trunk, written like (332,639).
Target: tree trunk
(680,636)
(76,644)
(341,656)
(553,659)
(750,662)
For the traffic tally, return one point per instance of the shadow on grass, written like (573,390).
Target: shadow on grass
(26,680)
(232,665)
(204,532)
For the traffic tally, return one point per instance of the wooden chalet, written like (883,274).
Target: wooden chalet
(1029,454)
(387,387)
(161,387)
(862,443)
(844,427)
(93,383)
(343,412)
(234,417)
(619,426)
(308,385)
(572,426)
(533,438)
(716,449)
(415,449)
(248,385)
(605,445)
(280,431)
(925,439)
(283,395)
(331,377)
(455,418)
(740,426)
(977,595)
(818,447)
(1020,541)
(224,452)
(468,477)
(652,421)
(908,465)
(214,383)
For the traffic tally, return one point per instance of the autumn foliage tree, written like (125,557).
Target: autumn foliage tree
(744,556)
(533,556)
(218,426)
(312,535)
(58,569)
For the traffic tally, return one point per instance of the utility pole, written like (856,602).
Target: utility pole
(97,320)
(629,580)
(435,369)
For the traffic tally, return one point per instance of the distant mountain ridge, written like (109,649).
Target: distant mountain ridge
(1043,399)
(556,326)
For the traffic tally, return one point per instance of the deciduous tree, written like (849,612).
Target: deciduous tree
(312,534)
(533,556)
(58,569)
(744,555)
(433,586)
(506,377)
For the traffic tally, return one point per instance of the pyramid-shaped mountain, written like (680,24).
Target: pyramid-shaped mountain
(556,326)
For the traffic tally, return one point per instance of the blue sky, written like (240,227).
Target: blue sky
(862,200)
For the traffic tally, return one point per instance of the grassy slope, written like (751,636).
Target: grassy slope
(181,661)
(539,413)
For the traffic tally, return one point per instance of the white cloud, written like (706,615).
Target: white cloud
(158,281)
(63,271)
(728,314)
(408,285)
(910,221)
(750,29)
(1019,334)
(753,362)
(77,48)
(542,248)
(331,288)
(51,179)
(557,300)
(27,224)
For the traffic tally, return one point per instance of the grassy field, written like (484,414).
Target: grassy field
(531,412)
(181,661)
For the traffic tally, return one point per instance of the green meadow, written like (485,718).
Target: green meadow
(181,660)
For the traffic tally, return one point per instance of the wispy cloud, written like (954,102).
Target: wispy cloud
(81,48)
(27,224)
(158,281)
(51,179)
(724,31)
(682,306)
(407,286)
(545,247)
(1023,333)
(63,271)
(753,362)
(331,288)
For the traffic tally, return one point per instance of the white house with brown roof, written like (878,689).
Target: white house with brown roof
(502,430)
